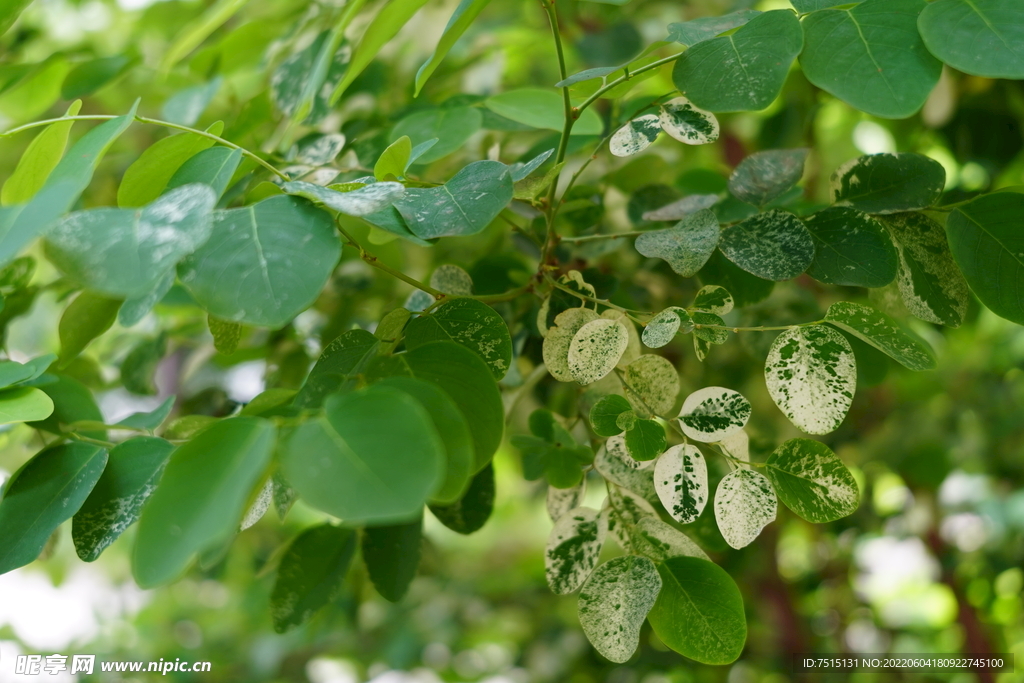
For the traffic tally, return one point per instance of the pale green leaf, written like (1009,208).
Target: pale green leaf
(812,481)
(573,548)
(614,603)
(681,480)
(595,349)
(744,504)
(40,158)
(539,108)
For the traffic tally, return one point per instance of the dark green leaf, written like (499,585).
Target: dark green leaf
(687,246)
(88,77)
(470,323)
(392,555)
(979,37)
(745,288)
(12,372)
(812,481)
(72,402)
(774,245)
(689,33)
(139,366)
(311,573)
(605,413)
(851,248)
(131,475)
(339,363)
(449,126)
(882,332)
(646,440)
(152,419)
(888,183)
(764,176)
(473,510)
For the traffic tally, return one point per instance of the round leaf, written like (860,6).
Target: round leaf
(681,480)
(595,349)
(812,481)
(764,176)
(774,245)
(470,323)
(614,603)
(888,183)
(713,413)
(655,381)
(851,248)
(744,504)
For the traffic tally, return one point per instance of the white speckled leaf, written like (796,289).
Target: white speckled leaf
(744,504)
(930,283)
(686,246)
(361,202)
(596,349)
(774,245)
(560,501)
(888,183)
(573,549)
(633,347)
(655,381)
(662,328)
(614,603)
(613,462)
(559,338)
(713,413)
(660,541)
(811,375)
(764,176)
(737,445)
(681,480)
(883,333)
(465,205)
(636,136)
(714,299)
(688,123)
(812,481)
(467,322)
(624,510)
(451,279)
(259,506)
(680,209)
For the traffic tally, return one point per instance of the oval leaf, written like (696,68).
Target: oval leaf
(882,332)
(687,123)
(470,323)
(888,183)
(978,37)
(744,504)
(596,349)
(392,555)
(774,245)
(812,481)
(636,136)
(681,480)
(713,413)
(574,546)
(764,176)
(614,603)
(851,248)
(687,246)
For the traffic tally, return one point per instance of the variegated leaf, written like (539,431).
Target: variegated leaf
(559,338)
(636,136)
(681,480)
(688,123)
(812,481)
(574,546)
(614,603)
(660,541)
(655,381)
(560,501)
(744,504)
(713,413)
(596,349)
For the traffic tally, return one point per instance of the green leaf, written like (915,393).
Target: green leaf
(811,375)
(659,541)
(851,248)
(9,13)
(470,323)
(774,245)
(139,366)
(85,318)
(45,492)
(522,170)
(392,555)
(339,363)
(807,6)
(147,177)
(199,30)
(128,252)
(391,328)
(72,402)
(465,377)
(24,404)
(214,167)
(131,475)
(383,28)
(978,37)
(201,497)
(65,184)
(311,573)
(450,127)
(40,158)
(882,332)
(930,284)
(689,33)
(12,372)
(135,308)
(614,463)
(90,76)
(746,289)
(646,440)
(393,160)
(186,106)
(871,56)
(687,246)
(150,420)
(265,263)
(464,205)
(605,413)
(682,208)
(451,279)
(595,349)
(300,75)
(654,381)
(451,426)
(464,15)
(473,510)
(361,202)
(687,123)
(615,601)
(987,243)
(764,176)
(637,135)
(662,328)
(708,327)
(742,71)
(888,183)
(573,549)
(812,481)
(373,457)
(744,504)
(681,480)
(713,413)
(699,612)
(226,335)
(539,108)
(714,299)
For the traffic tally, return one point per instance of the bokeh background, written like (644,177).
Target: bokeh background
(931,561)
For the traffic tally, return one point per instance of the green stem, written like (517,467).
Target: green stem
(86,439)
(563,141)
(603,236)
(149,121)
(604,302)
(763,328)
(622,79)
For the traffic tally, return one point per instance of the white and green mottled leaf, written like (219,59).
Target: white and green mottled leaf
(614,603)
(624,510)
(764,176)
(713,413)
(930,284)
(682,208)
(811,375)
(882,332)
(633,346)
(660,541)
(636,136)
(467,322)
(662,328)
(259,506)
(681,480)
(559,338)
(361,202)
(655,381)
(595,349)
(688,123)
(812,481)
(560,501)
(737,445)
(774,245)
(614,463)
(573,549)
(686,246)
(744,504)
(714,299)
(452,280)
(888,183)
(709,327)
